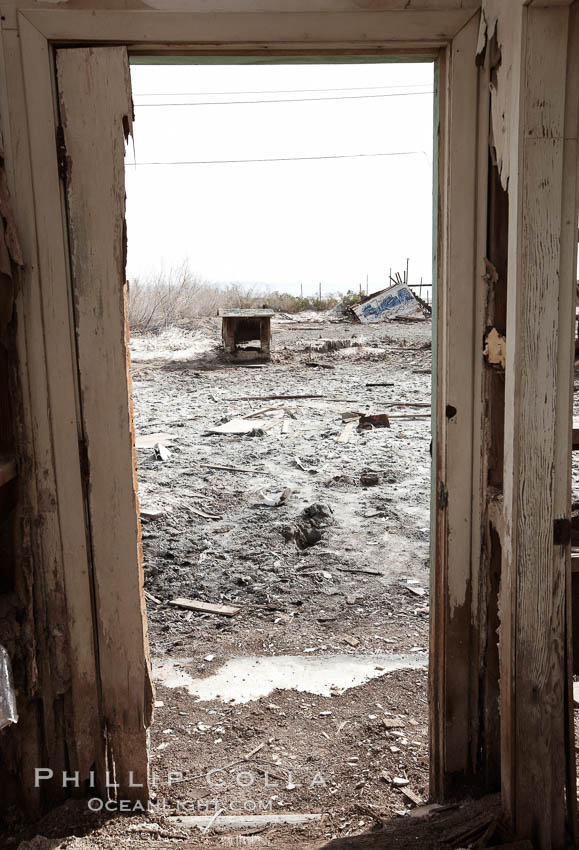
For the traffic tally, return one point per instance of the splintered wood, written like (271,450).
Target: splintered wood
(96,108)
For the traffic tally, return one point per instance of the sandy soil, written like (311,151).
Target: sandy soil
(361,590)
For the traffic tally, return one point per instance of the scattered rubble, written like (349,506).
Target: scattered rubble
(278,529)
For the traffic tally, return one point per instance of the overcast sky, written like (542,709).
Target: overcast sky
(284,223)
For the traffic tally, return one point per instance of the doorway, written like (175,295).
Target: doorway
(285,504)
(110,606)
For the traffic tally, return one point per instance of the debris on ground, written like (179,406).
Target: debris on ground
(161,452)
(148,441)
(396,302)
(308,528)
(369,479)
(222,580)
(370,421)
(206,607)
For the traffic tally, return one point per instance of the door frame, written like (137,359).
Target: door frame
(46,335)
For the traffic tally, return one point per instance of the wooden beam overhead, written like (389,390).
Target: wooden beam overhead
(210,29)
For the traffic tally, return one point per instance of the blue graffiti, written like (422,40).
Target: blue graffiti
(389,302)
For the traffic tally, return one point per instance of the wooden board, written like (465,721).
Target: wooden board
(58,699)
(206,607)
(251,26)
(533,634)
(96,112)
(453,666)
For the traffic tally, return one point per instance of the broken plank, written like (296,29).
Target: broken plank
(241,821)
(409,415)
(254,751)
(201,513)
(151,513)
(362,570)
(412,796)
(304,396)
(275,397)
(347,431)
(253,413)
(230,468)
(152,598)
(406,404)
(205,607)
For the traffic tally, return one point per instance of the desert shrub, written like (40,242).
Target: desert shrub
(176,295)
(352,297)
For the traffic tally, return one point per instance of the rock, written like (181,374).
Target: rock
(307,530)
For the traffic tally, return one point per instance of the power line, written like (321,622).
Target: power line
(285,100)
(284,158)
(275,91)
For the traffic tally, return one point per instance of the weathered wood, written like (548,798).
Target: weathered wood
(247,326)
(518,165)
(7,470)
(333,26)
(96,113)
(566,357)
(55,667)
(206,607)
(537,436)
(492,450)
(265,337)
(452,659)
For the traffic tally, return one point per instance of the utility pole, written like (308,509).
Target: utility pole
(301,290)
(320,292)
(366,284)
(407,262)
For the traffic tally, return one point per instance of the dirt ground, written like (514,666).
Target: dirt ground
(312,699)
(346,580)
